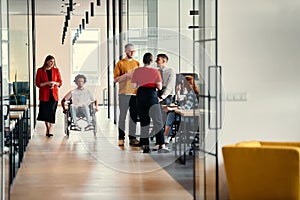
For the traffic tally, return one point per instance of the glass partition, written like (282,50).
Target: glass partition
(187,33)
(18,47)
(5,91)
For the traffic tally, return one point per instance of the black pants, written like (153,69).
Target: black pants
(148,108)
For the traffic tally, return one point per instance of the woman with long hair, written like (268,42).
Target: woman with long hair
(189,102)
(48,80)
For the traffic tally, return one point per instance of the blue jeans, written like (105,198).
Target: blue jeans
(172,117)
(84,109)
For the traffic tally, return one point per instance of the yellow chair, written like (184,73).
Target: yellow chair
(263,170)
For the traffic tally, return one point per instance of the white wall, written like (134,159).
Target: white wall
(259,50)
(48,41)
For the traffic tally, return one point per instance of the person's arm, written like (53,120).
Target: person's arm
(63,101)
(122,77)
(158,80)
(38,80)
(63,105)
(159,85)
(134,81)
(118,76)
(58,80)
(96,105)
(170,84)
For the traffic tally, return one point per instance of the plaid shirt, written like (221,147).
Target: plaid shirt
(189,102)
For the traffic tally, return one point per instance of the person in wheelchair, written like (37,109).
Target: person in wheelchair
(81,99)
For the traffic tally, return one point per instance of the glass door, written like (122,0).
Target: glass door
(204,33)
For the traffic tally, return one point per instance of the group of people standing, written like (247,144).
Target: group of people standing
(142,91)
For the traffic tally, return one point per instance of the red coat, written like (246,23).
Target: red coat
(41,77)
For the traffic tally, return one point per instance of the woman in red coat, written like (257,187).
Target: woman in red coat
(48,80)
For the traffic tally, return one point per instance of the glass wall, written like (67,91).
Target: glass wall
(14,69)
(19,51)
(4,70)
(190,41)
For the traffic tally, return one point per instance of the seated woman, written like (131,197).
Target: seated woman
(81,99)
(189,102)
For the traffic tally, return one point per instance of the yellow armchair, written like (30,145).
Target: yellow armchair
(263,170)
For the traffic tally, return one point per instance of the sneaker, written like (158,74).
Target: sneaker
(134,142)
(121,142)
(146,149)
(155,148)
(163,150)
(89,127)
(169,139)
(76,128)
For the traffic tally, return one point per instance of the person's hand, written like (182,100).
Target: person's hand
(178,87)
(96,109)
(129,74)
(64,111)
(166,109)
(52,84)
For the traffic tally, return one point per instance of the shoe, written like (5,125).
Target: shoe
(163,150)
(76,128)
(121,142)
(89,127)
(134,142)
(146,149)
(155,148)
(49,134)
(169,139)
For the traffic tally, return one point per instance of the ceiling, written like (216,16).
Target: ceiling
(56,7)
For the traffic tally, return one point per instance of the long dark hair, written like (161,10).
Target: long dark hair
(148,58)
(49,57)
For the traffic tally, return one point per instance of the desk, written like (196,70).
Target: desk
(26,129)
(15,138)
(9,144)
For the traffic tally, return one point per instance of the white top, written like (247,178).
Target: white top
(80,97)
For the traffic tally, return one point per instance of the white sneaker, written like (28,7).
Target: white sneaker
(163,150)
(155,148)
(168,140)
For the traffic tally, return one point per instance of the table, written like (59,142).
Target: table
(26,129)
(189,118)
(15,144)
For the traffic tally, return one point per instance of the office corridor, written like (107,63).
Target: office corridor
(89,167)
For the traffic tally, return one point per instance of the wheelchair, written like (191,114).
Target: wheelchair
(69,124)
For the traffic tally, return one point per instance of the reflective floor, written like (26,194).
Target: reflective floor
(87,166)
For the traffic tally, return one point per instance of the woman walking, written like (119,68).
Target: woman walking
(48,80)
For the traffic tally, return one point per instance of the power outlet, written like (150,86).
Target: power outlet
(240,96)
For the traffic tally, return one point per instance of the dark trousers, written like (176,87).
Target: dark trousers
(149,108)
(127,102)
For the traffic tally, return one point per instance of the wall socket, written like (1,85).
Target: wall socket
(239,96)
